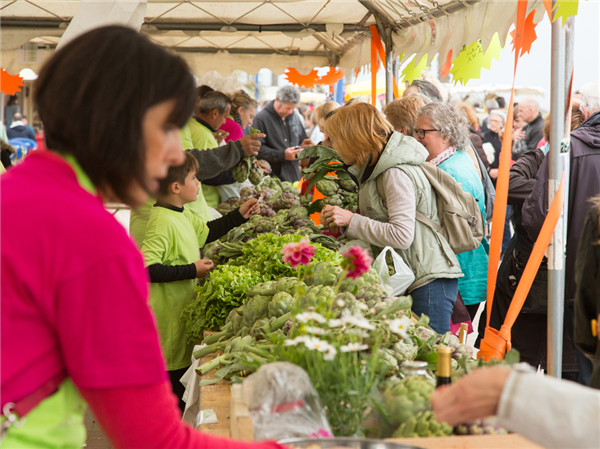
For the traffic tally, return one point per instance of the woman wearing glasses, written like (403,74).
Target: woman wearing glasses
(444,132)
(392,188)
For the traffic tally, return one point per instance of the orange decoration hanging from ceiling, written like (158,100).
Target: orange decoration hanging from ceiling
(332,77)
(529,34)
(10,84)
(447,65)
(299,80)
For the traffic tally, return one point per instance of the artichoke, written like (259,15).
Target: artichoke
(265,166)
(424,333)
(323,273)
(405,352)
(303,223)
(348,185)
(288,285)
(404,399)
(264,225)
(327,187)
(241,171)
(334,200)
(423,424)
(298,213)
(387,363)
(248,193)
(280,304)
(370,293)
(462,351)
(315,295)
(255,176)
(265,210)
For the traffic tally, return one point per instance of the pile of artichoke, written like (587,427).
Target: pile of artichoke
(275,197)
(248,168)
(338,192)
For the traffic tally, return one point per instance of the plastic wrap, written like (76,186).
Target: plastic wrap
(283,403)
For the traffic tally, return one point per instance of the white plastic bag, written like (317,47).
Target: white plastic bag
(404,276)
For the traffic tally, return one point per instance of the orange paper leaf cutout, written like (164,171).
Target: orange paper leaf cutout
(529,35)
(332,77)
(10,84)
(446,67)
(299,80)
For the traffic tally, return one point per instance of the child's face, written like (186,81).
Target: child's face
(188,192)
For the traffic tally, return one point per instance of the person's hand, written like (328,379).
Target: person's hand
(598,327)
(220,135)
(203,266)
(291,152)
(518,135)
(251,144)
(335,216)
(307,143)
(471,397)
(249,208)
(493,173)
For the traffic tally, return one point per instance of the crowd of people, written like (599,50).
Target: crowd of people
(98,342)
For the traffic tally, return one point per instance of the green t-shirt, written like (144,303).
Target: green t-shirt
(173,238)
(203,139)
(138,219)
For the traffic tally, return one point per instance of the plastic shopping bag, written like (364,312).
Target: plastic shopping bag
(403,276)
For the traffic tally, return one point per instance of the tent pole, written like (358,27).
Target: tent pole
(556,271)
(389,75)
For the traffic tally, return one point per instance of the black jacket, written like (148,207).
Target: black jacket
(20,131)
(587,295)
(494,139)
(534,132)
(584,184)
(281,134)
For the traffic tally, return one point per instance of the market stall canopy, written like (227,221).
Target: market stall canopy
(276,34)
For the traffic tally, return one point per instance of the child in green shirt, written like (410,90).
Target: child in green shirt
(171,250)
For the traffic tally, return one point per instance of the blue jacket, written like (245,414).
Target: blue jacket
(474,264)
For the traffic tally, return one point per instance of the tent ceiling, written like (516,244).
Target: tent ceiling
(227,35)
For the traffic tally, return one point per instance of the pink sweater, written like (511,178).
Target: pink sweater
(235,131)
(75,300)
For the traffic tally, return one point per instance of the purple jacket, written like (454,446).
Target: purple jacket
(584,184)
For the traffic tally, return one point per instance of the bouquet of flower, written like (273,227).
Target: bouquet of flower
(337,345)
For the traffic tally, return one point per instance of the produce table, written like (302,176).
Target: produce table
(234,422)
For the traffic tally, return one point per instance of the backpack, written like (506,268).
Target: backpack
(461,223)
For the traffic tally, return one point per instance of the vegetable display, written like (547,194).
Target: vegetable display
(248,168)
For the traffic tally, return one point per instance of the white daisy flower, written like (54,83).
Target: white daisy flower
(341,303)
(400,326)
(335,323)
(296,341)
(305,317)
(316,330)
(313,343)
(353,347)
(358,332)
(330,354)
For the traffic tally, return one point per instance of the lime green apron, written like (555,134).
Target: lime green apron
(56,422)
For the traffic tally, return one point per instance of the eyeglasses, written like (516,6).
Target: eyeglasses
(421,132)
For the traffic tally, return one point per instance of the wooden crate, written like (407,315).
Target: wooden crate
(216,397)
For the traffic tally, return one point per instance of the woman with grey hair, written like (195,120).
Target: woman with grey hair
(444,132)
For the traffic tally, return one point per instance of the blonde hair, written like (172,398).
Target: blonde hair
(319,115)
(402,113)
(358,131)
(241,99)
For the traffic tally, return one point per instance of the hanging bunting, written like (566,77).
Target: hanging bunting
(10,84)
(445,70)
(299,80)
(548,6)
(413,70)
(565,9)
(472,59)
(529,34)
(332,77)
(377,40)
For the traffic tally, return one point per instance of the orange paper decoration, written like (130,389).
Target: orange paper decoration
(446,67)
(529,34)
(332,77)
(299,80)
(10,84)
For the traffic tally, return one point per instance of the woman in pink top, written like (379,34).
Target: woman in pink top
(243,110)
(75,323)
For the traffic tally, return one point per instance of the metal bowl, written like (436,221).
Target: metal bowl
(352,443)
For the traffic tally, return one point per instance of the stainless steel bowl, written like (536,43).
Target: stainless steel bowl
(352,443)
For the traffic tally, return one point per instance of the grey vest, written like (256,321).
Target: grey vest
(429,256)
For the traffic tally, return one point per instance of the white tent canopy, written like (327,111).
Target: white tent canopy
(276,34)
(495,89)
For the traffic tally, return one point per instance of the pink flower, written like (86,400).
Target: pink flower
(357,261)
(298,253)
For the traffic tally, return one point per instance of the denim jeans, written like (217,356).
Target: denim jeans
(436,300)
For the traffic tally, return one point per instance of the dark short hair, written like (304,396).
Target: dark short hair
(214,100)
(178,173)
(93,94)
(501,102)
(203,90)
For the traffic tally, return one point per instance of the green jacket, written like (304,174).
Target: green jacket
(202,138)
(429,256)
